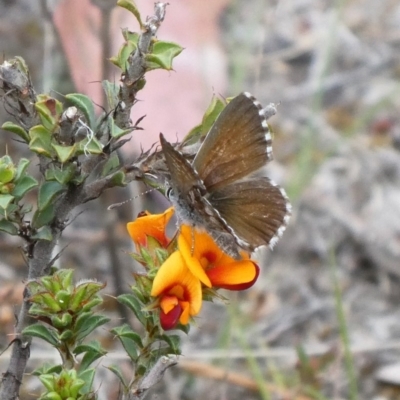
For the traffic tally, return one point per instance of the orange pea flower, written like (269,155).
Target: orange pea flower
(198,260)
(211,265)
(150,225)
(179,292)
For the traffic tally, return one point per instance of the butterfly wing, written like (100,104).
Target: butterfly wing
(238,144)
(183,178)
(256,210)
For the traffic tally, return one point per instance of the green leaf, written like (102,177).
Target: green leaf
(8,227)
(90,146)
(130,5)
(162,55)
(48,191)
(134,305)
(43,217)
(84,328)
(90,357)
(127,332)
(23,186)
(49,110)
(93,346)
(5,200)
(21,169)
(84,104)
(183,328)
(64,153)
(119,179)
(130,36)
(121,61)
(130,340)
(18,130)
(43,234)
(117,372)
(42,332)
(62,175)
(40,140)
(209,117)
(173,341)
(47,368)
(111,90)
(87,376)
(117,132)
(111,164)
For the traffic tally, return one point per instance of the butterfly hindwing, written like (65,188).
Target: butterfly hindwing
(255,209)
(238,144)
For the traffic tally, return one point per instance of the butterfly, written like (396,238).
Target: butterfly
(219,191)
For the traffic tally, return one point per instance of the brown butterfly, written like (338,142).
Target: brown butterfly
(219,192)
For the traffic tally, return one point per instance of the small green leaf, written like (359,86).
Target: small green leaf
(117,132)
(111,164)
(130,340)
(89,358)
(47,368)
(42,332)
(87,376)
(173,341)
(125,51)
(90,146)
(49,382)
(64,153)
(127,332)
(48,191)
(8,227)
(93,346)
(84,328)
(84,104)
(131,6)
(117,372)
(134,305)
(40,140)
(21,169)
(43,217)
(23,186)
(62,175)
(5,200)
(18,130)
(84,293)
(111,90)
(130,36)
(119,179)
(43,234)
(209,117)
(162,55)
(49,110)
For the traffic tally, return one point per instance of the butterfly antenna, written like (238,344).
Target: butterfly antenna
(115,205)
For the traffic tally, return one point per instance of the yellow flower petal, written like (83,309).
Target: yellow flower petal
(193,261)
(174,278)
(204,258)
(150,225)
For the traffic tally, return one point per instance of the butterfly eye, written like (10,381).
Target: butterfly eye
(169,193)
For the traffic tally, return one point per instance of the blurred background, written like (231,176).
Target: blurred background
(323,321)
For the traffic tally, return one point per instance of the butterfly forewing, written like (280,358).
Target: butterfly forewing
(183,178)
(238,144)
(256,210)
